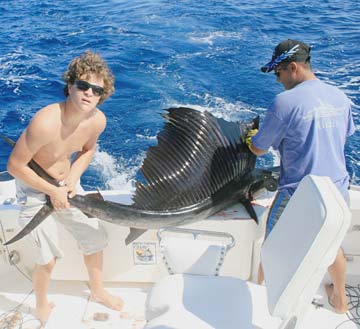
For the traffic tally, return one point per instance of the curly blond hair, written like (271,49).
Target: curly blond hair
(86,64)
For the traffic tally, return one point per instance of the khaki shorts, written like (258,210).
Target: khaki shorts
(44,240)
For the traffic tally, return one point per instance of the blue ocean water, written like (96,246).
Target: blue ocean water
(204,54)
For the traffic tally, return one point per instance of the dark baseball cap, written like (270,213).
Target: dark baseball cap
(286,52)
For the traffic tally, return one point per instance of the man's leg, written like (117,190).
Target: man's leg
(94,264)
(46,254)
(336,291)
(260,276)
(41,279)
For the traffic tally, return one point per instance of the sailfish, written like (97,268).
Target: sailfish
(200,166)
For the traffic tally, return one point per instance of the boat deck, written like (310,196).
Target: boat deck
(73,309)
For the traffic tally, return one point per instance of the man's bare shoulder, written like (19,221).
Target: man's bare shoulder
(99,120)
(47,117)
(46,120)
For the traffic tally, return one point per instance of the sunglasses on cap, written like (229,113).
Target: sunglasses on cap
(276,60)
(84,85)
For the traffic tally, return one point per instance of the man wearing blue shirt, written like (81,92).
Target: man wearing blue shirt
(308,124)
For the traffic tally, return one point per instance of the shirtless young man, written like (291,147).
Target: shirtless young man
(54,135)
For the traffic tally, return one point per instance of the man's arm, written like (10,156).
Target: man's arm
(79,165)
(36,135)
(250,145)
(84,157)
(256,151)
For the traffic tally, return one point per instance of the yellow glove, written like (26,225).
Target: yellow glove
(249,135)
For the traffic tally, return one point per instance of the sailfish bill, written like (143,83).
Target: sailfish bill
(199,166)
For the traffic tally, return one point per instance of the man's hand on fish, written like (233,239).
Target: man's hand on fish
(71,187)
(248,137)
(59,197)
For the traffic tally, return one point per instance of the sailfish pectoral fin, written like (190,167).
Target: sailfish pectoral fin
(40,216)
(249,208)
(134,234)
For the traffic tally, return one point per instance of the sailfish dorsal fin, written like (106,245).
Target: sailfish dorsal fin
(196,155)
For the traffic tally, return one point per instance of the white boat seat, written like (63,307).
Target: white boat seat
(207,302)
(295,258)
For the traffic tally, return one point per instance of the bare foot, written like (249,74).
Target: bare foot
(108,300)
(43,312)
(338,302)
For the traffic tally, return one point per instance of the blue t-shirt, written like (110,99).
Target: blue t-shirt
(309,125)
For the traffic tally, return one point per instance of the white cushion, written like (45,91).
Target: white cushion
(185,301)
(303,244)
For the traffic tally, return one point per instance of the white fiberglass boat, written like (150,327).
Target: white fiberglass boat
(131,271)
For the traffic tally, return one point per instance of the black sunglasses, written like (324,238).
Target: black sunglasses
(280,68)
(277,73)
(84,85)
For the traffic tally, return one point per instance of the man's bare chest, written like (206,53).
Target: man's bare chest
(64,147)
